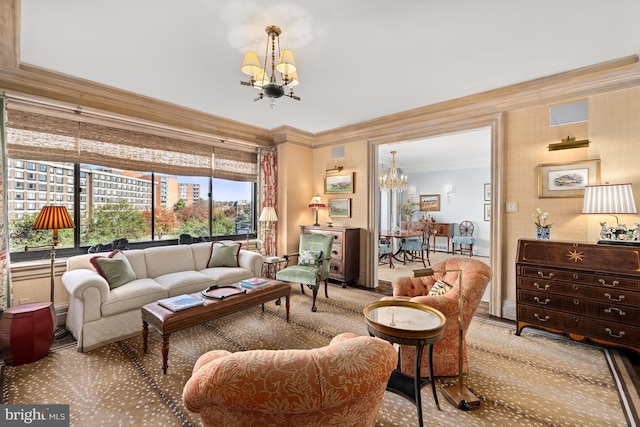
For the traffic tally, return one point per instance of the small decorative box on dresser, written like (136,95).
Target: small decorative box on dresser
(587,291)
(345,253)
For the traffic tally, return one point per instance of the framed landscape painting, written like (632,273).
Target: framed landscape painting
(336,184)
(340,208)
(567,179)
(429,202)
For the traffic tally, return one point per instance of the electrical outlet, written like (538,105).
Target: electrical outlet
(512,206)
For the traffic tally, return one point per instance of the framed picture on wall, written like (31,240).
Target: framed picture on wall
(336,184)
(487,192)
(567,179)
(340,208)
(487,212)
(429,202)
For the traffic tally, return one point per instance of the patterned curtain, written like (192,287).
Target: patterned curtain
(268,196)
(5,283)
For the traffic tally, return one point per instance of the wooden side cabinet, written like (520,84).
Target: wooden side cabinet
(443,229)
(345,253)
(586,291)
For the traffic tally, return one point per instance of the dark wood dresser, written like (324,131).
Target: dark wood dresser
(586,291)
(345,253)
(442,229)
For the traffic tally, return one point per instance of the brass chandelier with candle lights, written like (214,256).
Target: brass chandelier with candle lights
(259,76)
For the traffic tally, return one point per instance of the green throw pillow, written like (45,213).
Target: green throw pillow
(439,288)
(309,257)
(115,268)
(224,255)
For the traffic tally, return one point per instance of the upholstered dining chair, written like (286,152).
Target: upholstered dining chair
(430,290)
(417,248)
(340,385)
(385,251)
(314,255)
(464,238)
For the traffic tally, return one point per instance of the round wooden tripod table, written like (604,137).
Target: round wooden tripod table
(410,323)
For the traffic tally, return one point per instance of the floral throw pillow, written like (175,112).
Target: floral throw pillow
(439,288)
(309,257)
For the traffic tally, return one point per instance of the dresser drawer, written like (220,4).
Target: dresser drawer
(598,293)
(337,235)
(605,280)
(336,268)
(336,252)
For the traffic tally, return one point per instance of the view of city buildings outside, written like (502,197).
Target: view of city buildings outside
(117,204)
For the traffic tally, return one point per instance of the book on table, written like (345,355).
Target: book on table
(180,302)
(254,282)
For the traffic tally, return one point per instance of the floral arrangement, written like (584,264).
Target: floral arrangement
(541,218)
(408,207)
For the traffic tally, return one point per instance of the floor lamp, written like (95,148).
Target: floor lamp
(458,395)
(53,218)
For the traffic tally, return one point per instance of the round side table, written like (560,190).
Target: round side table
(26,332)
(410,323)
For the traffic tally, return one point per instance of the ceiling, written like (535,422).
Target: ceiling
(357,60)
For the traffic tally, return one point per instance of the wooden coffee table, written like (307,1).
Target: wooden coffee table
(166,321)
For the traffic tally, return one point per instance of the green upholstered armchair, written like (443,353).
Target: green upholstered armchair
(313,264)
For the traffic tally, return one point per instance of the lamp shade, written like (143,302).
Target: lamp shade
(316,202)
(286,63)
(53,218)
(251,64)
(609,199)
(268,214)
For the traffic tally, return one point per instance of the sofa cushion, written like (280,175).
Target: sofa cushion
(115,268)
(132,296)
(439,288)
(168,259)
(184,282)
(224,254)
(227,275)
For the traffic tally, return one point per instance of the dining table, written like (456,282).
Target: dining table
(398,236)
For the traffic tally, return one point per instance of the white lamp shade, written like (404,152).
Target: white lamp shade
(251,64)
(286,63)
(293,80)
(609,199)
(261,79)
(268,215)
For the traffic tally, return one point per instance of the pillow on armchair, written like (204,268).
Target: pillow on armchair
(309,257)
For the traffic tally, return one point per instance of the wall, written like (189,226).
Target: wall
(466,203)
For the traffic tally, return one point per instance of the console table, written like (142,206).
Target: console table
(586,291)
(442,229)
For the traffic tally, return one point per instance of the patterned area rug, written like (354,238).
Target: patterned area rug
(531,380)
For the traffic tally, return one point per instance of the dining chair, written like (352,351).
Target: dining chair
(417,248)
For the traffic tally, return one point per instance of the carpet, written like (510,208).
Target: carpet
(536,379)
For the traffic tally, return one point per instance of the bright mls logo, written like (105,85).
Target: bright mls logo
(34,415)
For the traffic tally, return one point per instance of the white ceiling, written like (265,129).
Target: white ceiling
(357,59)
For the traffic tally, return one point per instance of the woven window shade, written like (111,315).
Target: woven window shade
(36,137)
(125,149)
(234,165)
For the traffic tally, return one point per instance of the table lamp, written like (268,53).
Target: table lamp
(458,395)
(53,218)
(316,203)
(609,199)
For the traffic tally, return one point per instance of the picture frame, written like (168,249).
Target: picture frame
(487,192)
(487,212)
(339,183)
(430,202)
(567,180)
(340,208)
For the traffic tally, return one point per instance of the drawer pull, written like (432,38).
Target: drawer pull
(334,252)
(604,283)
(608,295)
(575,276)
(620,335)
(545,302)
(541,274)
(542,319)
(575,286)
(610,309)
(544,288)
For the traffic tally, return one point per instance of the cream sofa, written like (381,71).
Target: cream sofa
(98,315)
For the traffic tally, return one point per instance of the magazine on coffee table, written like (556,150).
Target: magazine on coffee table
(254,282)
(181,302)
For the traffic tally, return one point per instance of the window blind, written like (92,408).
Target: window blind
(234,165)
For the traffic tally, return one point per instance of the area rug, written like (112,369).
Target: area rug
(531,380)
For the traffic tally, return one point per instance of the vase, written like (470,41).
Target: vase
(543,233)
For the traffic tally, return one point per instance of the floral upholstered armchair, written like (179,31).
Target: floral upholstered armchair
(339,385)
(475,277)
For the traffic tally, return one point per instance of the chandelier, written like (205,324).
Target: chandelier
(395,181)
(269,85)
